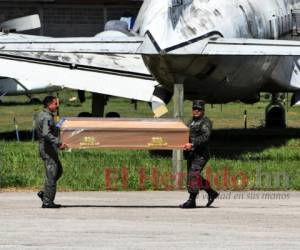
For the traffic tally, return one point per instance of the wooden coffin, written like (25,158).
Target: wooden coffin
(119,133)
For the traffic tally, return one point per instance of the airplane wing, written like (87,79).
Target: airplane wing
(252,47)
(113,67)
(215,45)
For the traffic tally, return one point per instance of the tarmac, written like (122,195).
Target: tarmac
(150,220)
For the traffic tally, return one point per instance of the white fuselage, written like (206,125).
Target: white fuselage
(219,78)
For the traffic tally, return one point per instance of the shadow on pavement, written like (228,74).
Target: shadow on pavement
(126,206)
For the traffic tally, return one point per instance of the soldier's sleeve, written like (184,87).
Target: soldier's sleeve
(204,136)
(46,132)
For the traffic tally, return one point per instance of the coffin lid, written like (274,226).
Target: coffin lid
(122,124)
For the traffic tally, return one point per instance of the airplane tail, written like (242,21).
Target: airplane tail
(21,24)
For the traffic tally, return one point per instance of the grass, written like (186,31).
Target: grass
(89,170)
(257,157)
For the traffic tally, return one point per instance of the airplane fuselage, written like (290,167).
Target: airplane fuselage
(219,78)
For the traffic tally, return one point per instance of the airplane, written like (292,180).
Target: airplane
(13,87)
(134,63)
(221,51)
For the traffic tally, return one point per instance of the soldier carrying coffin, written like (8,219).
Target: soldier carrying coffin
(198,155)
(49,143)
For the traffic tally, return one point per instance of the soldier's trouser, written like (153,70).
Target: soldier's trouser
(54,170)
(195,181)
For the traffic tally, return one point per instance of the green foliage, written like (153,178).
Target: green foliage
(88,170)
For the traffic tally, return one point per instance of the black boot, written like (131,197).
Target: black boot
(212,195)
(41,195)
(51,205)
(190,203)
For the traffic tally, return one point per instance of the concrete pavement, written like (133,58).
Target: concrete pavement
(150,220)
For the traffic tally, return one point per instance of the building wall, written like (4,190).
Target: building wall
(63,19)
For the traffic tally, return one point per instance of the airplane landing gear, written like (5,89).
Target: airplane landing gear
(98,103)
(275,113)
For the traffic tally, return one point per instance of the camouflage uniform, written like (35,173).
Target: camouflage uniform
(49,142)
(200,131)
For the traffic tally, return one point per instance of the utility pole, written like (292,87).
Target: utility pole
(177,160)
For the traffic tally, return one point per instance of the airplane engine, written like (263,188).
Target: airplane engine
(275,115)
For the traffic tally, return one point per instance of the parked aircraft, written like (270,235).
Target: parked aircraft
(9,86)
(221,51)
(13,87)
